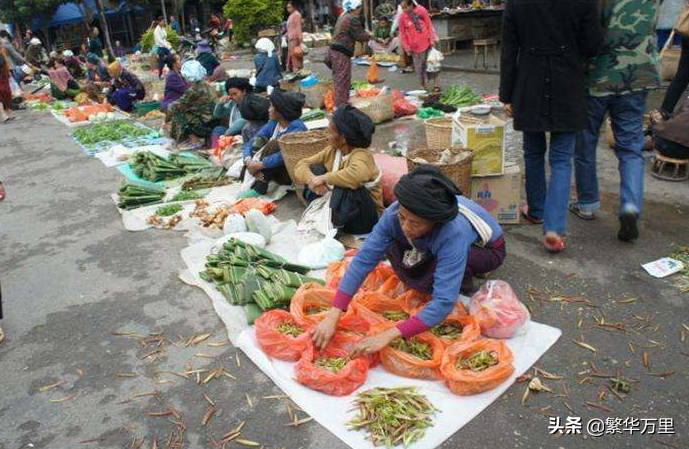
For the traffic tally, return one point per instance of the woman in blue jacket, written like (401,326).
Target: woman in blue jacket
(268,71)
(436,241)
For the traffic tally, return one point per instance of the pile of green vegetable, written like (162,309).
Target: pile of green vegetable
(109,132)
(393,416)
(332,364)
(250,276)
(168,210)
(211,177)
(459,97)
(135,194)
(147,40)
(314,114)
(478,361)
(414,347)
(150,166)
(451,331)
(290,329)
(186,195)
(395,315)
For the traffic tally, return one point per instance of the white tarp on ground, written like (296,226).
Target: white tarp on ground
(455,411)
(118,154)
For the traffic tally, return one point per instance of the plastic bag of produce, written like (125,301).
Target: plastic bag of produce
(377,308)
(280,336)
(377,277)
(418,357)
(331,371)
(234,223)
(401,105)
(311,303)
(498,309)
(259,223)
(393,169)
(457,329)
(321,254)
(393,287)
(476,366)
(247,204)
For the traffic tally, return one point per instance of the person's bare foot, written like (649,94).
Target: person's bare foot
(2,192)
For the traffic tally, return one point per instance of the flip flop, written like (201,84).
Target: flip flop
(554,244)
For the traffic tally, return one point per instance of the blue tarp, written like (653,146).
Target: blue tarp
(70,13)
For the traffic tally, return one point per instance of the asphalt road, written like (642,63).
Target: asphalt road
(71,277)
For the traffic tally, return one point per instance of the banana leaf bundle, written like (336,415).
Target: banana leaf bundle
(274,296)
(135,194)
(190,164)
(150,166)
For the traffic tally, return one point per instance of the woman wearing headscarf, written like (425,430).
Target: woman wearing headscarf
(348,31)
(268,70)
(285,110)
(126,87)
(192,115)
(205,56)
(72,63)
(436,240)
(175,84)
(96,70)
(254,110)
(227,109)
(62,84)
(347,167)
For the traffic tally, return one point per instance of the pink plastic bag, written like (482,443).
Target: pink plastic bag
(393,169)
(498,310)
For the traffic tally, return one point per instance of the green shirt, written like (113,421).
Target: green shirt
(382,32)
(628,61)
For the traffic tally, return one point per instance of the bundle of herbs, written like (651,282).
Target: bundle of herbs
(393,416)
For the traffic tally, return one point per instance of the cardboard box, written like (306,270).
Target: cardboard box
(486,138)
(500,195)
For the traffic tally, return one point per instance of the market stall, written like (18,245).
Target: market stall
(467,24)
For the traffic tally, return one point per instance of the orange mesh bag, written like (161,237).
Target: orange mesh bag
(341,383)
(408,365)
(377,308)
(393,287)
(457,329)
(498,309)
(311,303)
(278,344)
(464,379)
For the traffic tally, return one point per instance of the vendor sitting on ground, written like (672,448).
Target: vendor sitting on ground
(284,113)
(175,84)
(192,115)
(347,166)
(254,109)
(72,63)
(126,87)
(96,70)
(227,109)
(383,42)
(22,74)
(204,55)
(268,70)
(671,136)
(62,85)
(436,241)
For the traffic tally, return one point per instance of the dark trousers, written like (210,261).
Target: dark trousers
(679,82)
(671,149)
(163,53)
(482,260)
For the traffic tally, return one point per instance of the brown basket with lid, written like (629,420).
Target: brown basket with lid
(457,168)
(297,146)
(438,133)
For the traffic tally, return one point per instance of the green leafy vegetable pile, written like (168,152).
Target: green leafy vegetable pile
(110,131)
(459,97)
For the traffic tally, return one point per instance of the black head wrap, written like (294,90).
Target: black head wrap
(357,127)
(288,104)
(238,83)
(428,193)
(254,108)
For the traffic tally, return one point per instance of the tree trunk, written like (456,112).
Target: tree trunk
(106,30)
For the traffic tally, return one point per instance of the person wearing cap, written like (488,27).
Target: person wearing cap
(72,63)
(205,56)
(192,115)
(175,84)
(35,54)
(96,70)
(269,165)
(268,70)
(227,109)
(436,241)
(126,88)
(348,31)
(346,166)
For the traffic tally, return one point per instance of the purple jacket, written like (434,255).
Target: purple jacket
(175,86)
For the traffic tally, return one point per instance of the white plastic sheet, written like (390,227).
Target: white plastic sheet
(118,154)
(455,411)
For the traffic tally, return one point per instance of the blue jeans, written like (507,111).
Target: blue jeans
(627,116)
(549,201)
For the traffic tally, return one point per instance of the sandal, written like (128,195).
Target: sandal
(576,210)
(554,243)
(530,218)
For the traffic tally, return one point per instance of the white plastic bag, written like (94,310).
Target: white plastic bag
(259,223)
(234,223)
(320,254)
(318,216)
(433,61)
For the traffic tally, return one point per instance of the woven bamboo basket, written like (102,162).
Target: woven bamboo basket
(459,170)
(380,108)
(438,133)
(297,146)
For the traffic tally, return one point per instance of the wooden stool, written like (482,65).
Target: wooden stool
(661,163)
(447,45)
(487,44)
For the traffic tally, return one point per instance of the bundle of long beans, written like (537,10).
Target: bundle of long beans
(393,416)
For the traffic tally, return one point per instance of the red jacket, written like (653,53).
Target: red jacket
(416,30)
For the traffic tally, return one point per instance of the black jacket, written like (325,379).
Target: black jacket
(545,45)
